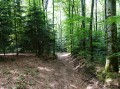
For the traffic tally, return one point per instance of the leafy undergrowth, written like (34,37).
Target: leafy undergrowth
(95,75)
(110,79)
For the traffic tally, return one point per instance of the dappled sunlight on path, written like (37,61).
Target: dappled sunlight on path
(45,69)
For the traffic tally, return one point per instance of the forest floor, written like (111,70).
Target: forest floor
(30,72)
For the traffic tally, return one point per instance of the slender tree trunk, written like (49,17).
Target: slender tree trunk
(72,24)
(4,51)
(53,31)
(96,14)
(105,27)
(90,31)
(46,24)
(83,22)
(105,23)
(15,27)
(60,27)
(112,59)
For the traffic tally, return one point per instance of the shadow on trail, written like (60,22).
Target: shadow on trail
(30,72)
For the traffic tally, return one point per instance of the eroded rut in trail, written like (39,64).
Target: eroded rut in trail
(65,76)
(29,72)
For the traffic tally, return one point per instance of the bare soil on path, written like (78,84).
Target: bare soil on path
(31,72)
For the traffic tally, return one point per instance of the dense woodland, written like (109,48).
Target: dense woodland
(89,29)
(93,31)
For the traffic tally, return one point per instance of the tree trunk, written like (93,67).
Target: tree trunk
(4,51)
(96,15)
(53,31)
(83,22)
(72,24)
(112,59)
(90,31)
(15,27)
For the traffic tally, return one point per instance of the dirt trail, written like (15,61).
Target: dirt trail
(69,79)
(29,72)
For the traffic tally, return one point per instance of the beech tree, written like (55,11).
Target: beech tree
(112,59)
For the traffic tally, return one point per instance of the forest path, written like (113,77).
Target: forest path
(70,79)
(29,72)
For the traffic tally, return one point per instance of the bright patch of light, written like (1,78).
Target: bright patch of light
(45,69)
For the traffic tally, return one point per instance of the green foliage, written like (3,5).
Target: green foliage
(112,75)
(5,24)
(38,35)
(24,28)
(102,75)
